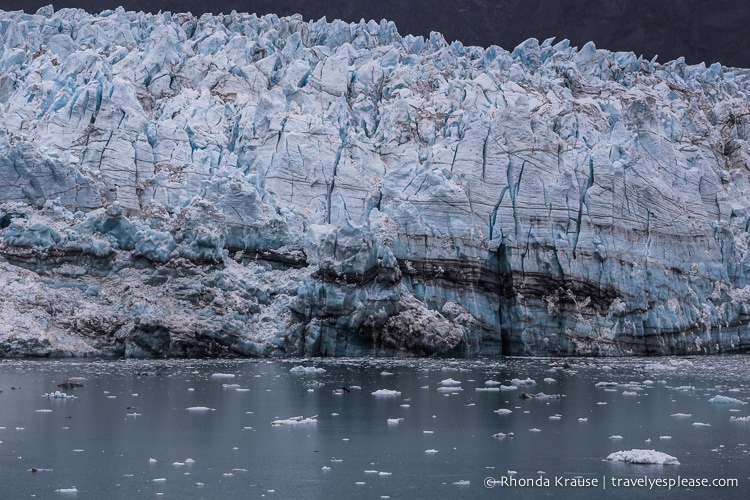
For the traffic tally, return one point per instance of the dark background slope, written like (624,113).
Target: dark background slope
(699,30)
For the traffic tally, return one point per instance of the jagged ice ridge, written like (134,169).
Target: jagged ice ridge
(255,186)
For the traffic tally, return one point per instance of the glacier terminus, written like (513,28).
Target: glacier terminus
(236,185)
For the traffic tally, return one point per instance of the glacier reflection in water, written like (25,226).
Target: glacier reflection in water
(289,429)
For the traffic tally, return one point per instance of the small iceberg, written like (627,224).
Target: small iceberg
(503,411)
(451,388)
(200,408)
(386,393)
(725,400)
(395,421)
(67,491)
(58,395)
(307,370)
(449,382)
(222,375)
(649,457)
(527,381)
(296,421)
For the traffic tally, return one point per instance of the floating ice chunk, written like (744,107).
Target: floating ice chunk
(307,370)
(152,460)
(360,483)
(739,419)
(629,393)
(370,471)
(549,380)
(508,387)
(189,461)
(383,473)
(405,406)
(503,411)
(449,382)
(491,383)
(583,419)
(296,421)
(160,480)
(502,435)
(606,384)
(200,408)
(462,482)
(386,374)
(67,491)
(681,415)
(665,438)
(44,410)
(701,424)
(487,389)
(685,388)
(240,389)
(325,468)
(58,395)
(539,395)
(535,429)
(527,381)
(449,389)
(637,456)
(386,393)
(430,451)
(230,386)
(555,417)
(132,414)
(395,421)
(222,375)
(428,432)
(725,400)
(615,437)
(178,464)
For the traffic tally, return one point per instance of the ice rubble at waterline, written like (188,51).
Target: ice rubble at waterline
(237,185)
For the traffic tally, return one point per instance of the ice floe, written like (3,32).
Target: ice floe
(386,393)
(307,370)
(718,399)
(300,420)
(638,456)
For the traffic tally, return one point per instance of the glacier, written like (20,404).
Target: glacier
(236,185)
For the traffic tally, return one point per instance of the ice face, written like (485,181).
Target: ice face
(243,185)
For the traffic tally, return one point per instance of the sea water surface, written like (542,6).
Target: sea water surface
(258,428)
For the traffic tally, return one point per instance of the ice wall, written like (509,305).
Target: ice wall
(235,185)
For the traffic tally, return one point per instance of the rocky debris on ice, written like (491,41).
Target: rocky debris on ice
(238,185)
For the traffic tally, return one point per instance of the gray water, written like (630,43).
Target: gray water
(128,432)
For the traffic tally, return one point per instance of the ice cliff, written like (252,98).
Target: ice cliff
(236,185)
